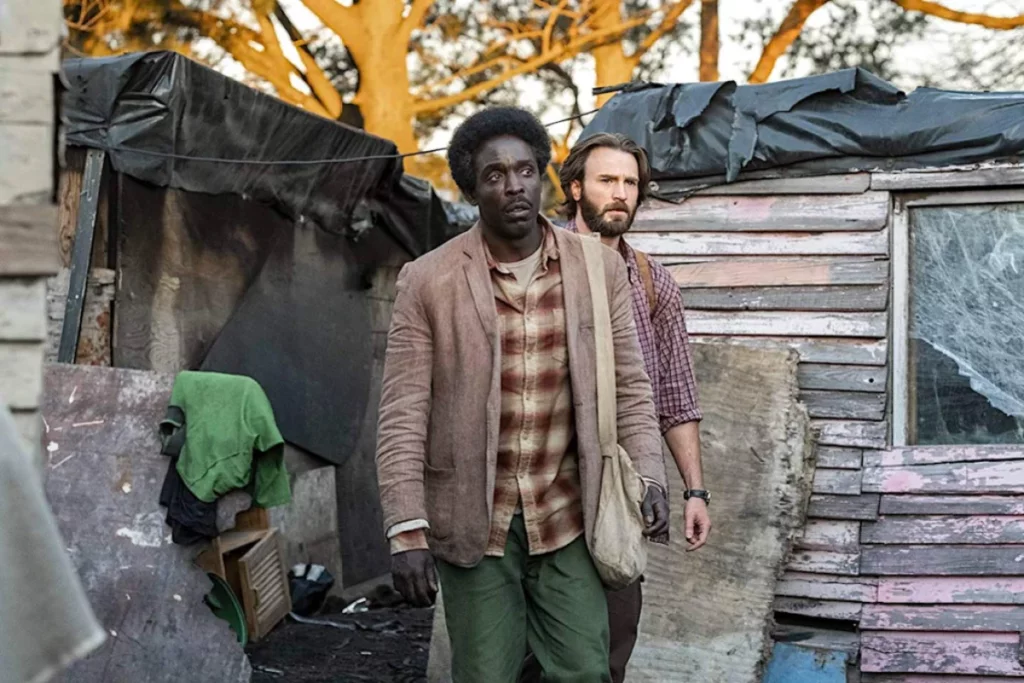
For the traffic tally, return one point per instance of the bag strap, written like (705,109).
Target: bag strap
(604,346)
(644,266)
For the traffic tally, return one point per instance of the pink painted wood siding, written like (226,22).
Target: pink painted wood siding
(993,590)
(948,653)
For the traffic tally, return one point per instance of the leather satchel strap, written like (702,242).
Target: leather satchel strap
(643,264)
(604,346)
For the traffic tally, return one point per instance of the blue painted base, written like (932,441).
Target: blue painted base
(795,664)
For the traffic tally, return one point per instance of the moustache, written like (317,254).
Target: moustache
(616,206)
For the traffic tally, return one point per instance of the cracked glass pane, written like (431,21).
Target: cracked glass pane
(967,324)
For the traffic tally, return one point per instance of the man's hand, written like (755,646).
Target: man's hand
(414,577)
(655,511)
(698,523)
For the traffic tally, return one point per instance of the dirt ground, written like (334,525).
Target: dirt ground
(388,645)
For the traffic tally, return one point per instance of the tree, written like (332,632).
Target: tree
(400,67)
(791,28)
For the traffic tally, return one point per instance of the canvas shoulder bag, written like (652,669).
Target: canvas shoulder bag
(617,545)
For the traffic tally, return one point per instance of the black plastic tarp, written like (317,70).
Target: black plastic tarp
(318,215)
(701,134)
(167,120)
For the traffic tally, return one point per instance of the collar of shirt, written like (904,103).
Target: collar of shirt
(626,251)
(549,245)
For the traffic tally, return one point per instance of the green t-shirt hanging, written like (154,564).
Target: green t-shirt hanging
(230,433)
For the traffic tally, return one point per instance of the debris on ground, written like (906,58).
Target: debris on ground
(388,645)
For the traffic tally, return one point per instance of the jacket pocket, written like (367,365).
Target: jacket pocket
(440,493)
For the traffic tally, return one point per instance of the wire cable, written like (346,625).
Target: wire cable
(302,162)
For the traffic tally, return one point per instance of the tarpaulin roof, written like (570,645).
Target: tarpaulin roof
(701,134)
(167,120)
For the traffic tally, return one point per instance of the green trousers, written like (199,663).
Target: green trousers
(554,603)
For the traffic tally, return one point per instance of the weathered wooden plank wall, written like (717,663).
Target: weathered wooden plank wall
(947,553)
(808,271)
(29,58)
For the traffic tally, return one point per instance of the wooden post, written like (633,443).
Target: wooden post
(81,255)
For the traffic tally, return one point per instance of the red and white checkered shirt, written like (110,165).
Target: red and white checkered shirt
(537,467)
(663,340)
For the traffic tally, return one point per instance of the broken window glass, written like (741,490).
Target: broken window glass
(967,324)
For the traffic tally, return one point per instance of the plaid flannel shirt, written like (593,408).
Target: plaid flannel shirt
(663,341)
(537,468)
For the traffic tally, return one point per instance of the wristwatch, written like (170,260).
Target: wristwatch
(697,493)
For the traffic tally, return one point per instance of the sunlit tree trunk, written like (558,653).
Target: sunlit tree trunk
(709,42)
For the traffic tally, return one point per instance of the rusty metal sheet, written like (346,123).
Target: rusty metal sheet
(103,476)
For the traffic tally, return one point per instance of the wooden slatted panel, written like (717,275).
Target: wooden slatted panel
(850,405)
(838,458)
(825,562)
(951,505)
(993,590)
(935,455)
(862,507)
(786,323)
(22,316)
(944,618)
(827,587)
(851,433)
(939,560)
(668,244)
(811,213)
(966,477)
(920,180)
(867,298)
(28,239)
(925,678)
(841,377)
(823,534)
(265,593)
(946,653)
(780,272)
(847,183)
(834,350)
(819,609)
(21,386)
(28,165)
(837,482)
(940,529)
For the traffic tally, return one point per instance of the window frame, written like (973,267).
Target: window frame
(903,203)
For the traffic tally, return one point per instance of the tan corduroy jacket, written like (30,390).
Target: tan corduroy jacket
(440,403)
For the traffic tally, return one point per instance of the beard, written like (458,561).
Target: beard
(597,220)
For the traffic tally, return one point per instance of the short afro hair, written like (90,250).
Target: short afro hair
(489,124)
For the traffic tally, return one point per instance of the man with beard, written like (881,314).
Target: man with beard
(487,450)
(605,179)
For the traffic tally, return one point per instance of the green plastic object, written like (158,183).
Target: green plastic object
(222,602)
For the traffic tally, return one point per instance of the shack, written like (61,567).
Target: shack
(206,225)
(881,236)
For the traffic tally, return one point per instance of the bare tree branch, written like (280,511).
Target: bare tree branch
(558,52)
(788,32)
(416,16)
(668,22)
(337,17)
(314,76)
(549,27)
(943,12)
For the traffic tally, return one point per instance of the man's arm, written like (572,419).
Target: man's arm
(637,426)
(404,407)
(678,411)
(684,443)
(401,442)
